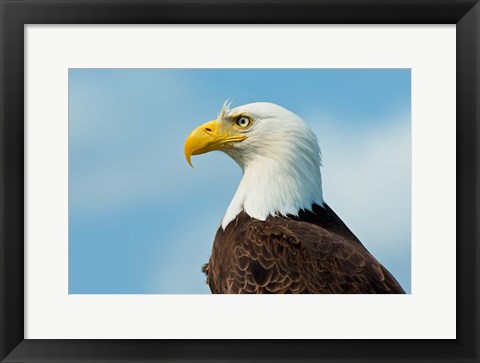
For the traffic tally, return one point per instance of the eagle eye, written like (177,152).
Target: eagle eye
(243,121)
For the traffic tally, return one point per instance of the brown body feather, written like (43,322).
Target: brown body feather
(314,253)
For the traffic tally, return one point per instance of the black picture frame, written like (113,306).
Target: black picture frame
(17,13)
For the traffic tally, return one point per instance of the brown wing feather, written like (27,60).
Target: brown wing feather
(283,255)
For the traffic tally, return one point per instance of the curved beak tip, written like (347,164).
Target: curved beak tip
(188,156)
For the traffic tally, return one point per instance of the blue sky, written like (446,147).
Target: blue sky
(140,221)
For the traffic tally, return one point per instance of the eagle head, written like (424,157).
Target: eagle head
(277,151)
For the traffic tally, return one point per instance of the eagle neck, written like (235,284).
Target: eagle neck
(273,187)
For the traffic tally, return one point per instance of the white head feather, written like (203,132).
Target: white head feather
(281,163)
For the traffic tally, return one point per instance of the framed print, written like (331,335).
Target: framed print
(345,199)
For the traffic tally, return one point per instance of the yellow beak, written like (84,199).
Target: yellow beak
(209,137)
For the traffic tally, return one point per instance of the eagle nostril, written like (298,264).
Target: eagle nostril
(208,129)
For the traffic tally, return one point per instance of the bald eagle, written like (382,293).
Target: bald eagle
(278,235)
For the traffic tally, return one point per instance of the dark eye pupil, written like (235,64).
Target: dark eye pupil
(243,121)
